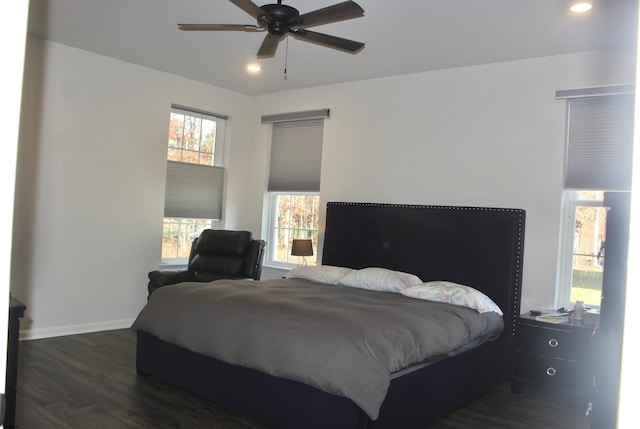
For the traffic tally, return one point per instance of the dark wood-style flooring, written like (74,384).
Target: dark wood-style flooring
(90,381)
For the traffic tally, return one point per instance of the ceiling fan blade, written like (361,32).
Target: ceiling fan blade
(337,12)
(345,45)
(269,46)
(220,27)
(248,6)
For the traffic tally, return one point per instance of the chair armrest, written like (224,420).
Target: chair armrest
(161,278)
(253,260)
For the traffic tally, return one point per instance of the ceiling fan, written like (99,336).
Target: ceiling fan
(280,20)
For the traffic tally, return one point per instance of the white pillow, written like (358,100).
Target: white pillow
(381,279)
(453,293)
(322,273)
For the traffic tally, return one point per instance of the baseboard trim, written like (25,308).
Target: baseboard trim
(61,331)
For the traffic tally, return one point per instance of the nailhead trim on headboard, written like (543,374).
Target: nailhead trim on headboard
(517,280)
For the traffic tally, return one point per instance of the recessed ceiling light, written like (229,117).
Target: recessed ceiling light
(581,6)
(253,68)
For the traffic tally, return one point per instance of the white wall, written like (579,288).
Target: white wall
(90,193)
(488,135)
(92,158)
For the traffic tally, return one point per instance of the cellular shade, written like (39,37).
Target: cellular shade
(599,142)
(193,191)
(296,155)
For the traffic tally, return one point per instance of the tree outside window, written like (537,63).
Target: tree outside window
(178,234)
(191,139)
(294,216)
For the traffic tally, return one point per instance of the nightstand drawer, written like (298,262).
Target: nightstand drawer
(553,342)
(553,373)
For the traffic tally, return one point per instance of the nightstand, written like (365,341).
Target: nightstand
(553,356)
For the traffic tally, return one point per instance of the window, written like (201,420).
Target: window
(599,141)
(582,258)
(195,179)
(177,236)
(292,216)
(191,138)
(294,184)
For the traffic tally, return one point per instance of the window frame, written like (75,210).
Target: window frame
(218,148)
(598,149)
(294,169)
(218,162)
(564,276)
(178,262)
(272,228)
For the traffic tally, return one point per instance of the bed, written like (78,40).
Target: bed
(476,246)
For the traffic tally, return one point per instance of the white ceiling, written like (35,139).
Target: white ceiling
(401,36)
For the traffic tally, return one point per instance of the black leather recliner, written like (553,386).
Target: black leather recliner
(216,254)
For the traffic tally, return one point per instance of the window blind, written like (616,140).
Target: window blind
(193,191)
(296,155)
(599,142)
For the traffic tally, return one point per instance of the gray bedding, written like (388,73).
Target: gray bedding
(343,340)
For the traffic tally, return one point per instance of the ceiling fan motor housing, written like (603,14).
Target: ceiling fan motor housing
(277,18)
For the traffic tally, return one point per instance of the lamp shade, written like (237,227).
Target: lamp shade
(301,247)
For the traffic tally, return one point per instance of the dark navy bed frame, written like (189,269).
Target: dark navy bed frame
(477,246)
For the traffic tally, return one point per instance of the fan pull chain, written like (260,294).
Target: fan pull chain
(286,58)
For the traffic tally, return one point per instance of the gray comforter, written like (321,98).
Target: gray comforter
(342,340)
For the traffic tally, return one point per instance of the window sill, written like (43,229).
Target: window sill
(173,266)
(271,272)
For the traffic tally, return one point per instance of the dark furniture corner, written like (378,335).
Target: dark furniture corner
(612,309)
(216,254)
(16,312)
(556,357)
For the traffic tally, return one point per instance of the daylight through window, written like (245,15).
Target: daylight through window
(294,216)
(588,219)
(195,179)
(192,138)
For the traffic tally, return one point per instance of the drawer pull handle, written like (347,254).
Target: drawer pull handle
(551,371)
(553,342)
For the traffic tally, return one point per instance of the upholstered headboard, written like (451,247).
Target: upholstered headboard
(476,246)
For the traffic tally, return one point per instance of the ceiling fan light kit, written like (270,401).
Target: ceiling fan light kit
(281,20)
